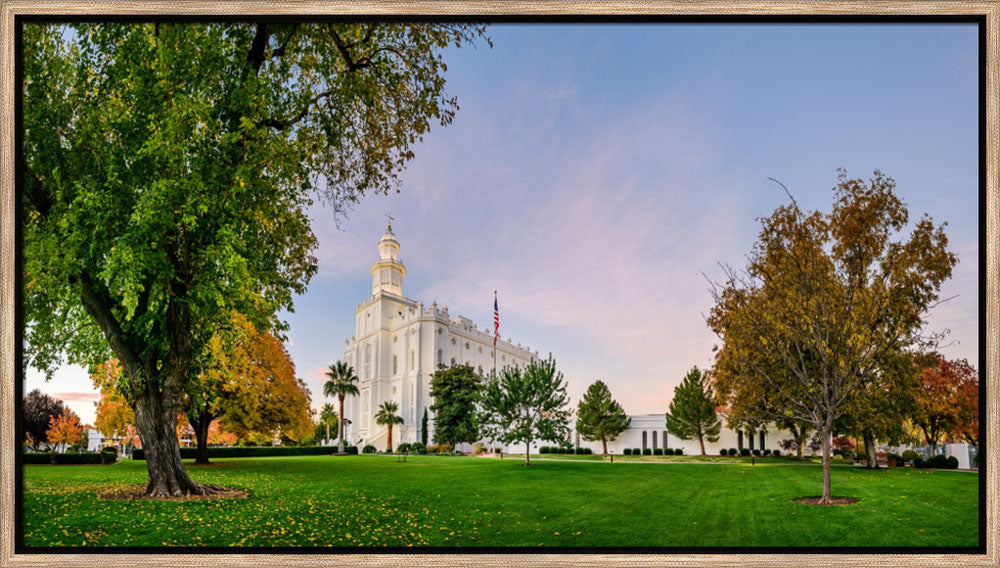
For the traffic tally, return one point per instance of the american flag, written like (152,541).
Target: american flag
(496,319)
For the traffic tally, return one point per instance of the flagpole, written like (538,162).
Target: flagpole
(496,314)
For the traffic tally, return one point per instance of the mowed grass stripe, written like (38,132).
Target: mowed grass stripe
(447,501)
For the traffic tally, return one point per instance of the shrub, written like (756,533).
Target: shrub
(920,463)
(724,452)
(543,449)
(253,451)
(402,448)
(756,453)
(627,451)
(745,452)
(446,449)
(587,451)
(109,455)
(777,453)
(910,456)
(578,451)
(939,462)
(647,452)
(657,451)
(733,452)
(678,451)
(418,448)
(767,453)
(368,449)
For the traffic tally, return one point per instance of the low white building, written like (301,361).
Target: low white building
(649,431)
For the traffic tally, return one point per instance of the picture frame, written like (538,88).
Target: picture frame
(11,11)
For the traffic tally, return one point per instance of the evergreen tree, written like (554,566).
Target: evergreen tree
(455,391)
(600,417)
(423,428)
(692,411)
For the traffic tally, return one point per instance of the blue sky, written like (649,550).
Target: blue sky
(594,172)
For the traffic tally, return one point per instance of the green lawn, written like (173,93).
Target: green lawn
(456,501)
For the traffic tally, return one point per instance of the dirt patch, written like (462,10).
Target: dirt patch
(128,492)
(834,501)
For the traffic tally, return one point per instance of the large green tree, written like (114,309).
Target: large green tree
(825,301)
(342,382)
(526,404)
(600,417)
(692,411)
(455,391)
(167,173)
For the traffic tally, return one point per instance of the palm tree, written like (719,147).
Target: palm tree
(387,417)
(326,415)
(341,384)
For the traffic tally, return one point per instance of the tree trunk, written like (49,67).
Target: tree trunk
(800,441)
(527,452)
(340,426)
(604,444)
(871,454)
(201,437)
(701,441)
(825,441)
(388,440)
(157,428)
(327,439)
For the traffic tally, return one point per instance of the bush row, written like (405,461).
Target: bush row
(564,450)
(936,462)
(653,452)
(254,451)
(748,452)
(105,456)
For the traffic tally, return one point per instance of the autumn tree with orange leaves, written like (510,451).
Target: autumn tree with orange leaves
(948,402)
(249,385)
(65,429)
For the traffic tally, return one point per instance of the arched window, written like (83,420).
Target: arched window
(739,439)
(654,440)
(643,440)
(395,362)
(452,361)
(440,356)
(762,439)
(666,441)
(368,361)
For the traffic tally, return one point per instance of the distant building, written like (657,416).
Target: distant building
(397,346)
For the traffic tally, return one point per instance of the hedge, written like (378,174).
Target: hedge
(255,451)
(61,459)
